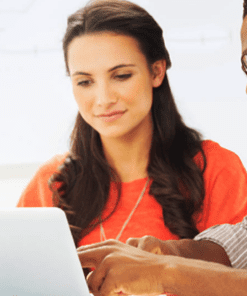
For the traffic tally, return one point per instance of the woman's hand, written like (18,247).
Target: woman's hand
(123,269)
(188,248)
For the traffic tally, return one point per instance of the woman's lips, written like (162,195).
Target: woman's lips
(111,116)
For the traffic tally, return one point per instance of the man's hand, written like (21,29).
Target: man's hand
(156,246)
(188,248)
(122,269)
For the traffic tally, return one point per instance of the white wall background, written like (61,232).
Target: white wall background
(37,107)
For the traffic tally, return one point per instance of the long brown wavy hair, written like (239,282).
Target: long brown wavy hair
(85,175)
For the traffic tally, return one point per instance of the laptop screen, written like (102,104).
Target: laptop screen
(38,255)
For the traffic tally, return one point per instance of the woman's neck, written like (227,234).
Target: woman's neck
(129,155)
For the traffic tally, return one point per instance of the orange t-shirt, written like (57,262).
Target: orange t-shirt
(225,180)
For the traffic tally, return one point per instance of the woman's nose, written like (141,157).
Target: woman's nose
(104,95)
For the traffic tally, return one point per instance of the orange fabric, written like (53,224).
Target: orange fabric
(225,200)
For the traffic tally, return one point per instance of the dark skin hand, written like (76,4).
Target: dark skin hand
(123,269)
(188,248)
(112,259)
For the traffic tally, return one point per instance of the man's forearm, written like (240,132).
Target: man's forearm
(203,250)
(232,239)
(197,278)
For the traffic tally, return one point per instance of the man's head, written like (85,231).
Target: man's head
(245,9)
(244,38)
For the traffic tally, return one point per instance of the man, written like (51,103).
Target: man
(140,267)
(124,269)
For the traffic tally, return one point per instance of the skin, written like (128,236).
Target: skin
(244,39)
(109,73)
(204,250)
(128,269)
(123,269)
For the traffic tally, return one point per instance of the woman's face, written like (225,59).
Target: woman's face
(112,83)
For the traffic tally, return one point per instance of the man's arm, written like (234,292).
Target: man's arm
(196,277)
(121,268)
(225,244)
(232,238)
(187,248)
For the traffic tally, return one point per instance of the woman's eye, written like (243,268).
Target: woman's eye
(84,83)
(123,76)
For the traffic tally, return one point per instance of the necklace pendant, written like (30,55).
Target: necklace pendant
(102,231)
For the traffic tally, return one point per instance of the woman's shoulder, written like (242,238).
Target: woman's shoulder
(210,146)
(220,160)
(217,156)
(37,193)
(225,182)
(214,151)
(51,166)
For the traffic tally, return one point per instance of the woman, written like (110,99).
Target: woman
(134,168)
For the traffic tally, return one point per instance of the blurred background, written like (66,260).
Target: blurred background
(37,107)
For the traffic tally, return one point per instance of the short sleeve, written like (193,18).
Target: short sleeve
(233,238)
(225,180)
(37,193)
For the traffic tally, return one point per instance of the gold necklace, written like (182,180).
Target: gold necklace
(102,231)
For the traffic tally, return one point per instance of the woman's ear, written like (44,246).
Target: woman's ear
(159,72)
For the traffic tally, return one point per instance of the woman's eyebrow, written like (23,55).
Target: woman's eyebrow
(110,70)
(121,66)
(81,73)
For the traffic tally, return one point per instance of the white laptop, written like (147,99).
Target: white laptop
(38,255)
